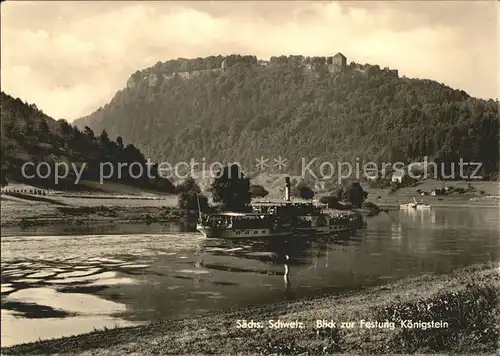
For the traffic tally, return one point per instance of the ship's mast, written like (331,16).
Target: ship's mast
(287,188)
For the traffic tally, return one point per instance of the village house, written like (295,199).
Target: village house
(130,83)
(337,63)
(398,176)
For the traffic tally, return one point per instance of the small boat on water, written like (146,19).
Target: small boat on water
(415,205)
(312,224)
(262,225)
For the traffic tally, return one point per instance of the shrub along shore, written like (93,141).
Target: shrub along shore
(463,307)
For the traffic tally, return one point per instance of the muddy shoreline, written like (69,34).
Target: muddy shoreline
(467,300)
(99,210)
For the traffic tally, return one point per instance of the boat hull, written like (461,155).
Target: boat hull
(240,233)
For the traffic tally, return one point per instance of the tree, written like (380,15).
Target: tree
(232,189)
(331,201)
(354,194)
(87,131)
(258,191)
(3,178)
(3,162)
(69,144)
(188,185)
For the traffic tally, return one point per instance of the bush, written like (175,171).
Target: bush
(188,201)
(470,313)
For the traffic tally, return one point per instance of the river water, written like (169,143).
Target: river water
(62,281)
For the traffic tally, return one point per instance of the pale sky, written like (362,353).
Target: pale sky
(72,57)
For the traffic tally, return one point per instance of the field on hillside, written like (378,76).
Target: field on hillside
(119,202)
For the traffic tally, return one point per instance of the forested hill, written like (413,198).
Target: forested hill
(296,107)
(28,135)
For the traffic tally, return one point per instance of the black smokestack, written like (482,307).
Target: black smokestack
(287,188)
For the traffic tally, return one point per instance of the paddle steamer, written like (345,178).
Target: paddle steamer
(415,205)
(274,219)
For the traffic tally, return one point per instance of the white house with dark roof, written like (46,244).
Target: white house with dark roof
(339,60)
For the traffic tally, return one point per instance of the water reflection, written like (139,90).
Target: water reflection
(130,278)
(97,229)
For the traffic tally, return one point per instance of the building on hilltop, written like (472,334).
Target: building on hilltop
(131,83)
(152,79)
(398,176)
(337,63)
(340,60)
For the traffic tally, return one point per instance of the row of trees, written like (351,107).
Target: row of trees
(234,193)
